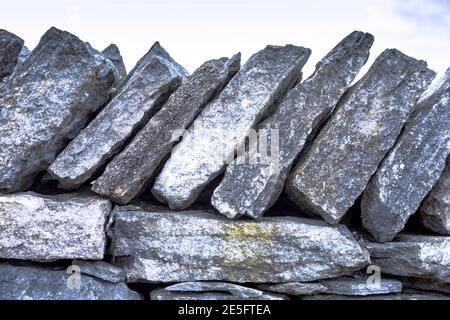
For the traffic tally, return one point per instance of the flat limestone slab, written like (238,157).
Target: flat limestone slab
(331,175)
(127,175)
(201,246)
(138,97)
(411,169)
(224,123)
(251,187)
(41,283)
(46,103)
(413,256)
(38,227)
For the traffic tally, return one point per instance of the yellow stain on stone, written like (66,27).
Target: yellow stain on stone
(246,242)
(118,191)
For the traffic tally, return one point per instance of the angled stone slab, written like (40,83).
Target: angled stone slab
(425,284)
(360,286)
(405,295)
(199,286)
(46,103)
(413,256)
(252,184)
(24,54)
(224,123)
(112,53)
(435,209)
(139,96)
(127,175)
(158,247)
(336,168)
(43,283)
(295,288)
(10,49)
(164,294)
(100,270)
(39,227)
(411,168)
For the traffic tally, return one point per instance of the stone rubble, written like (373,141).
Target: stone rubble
(159,140)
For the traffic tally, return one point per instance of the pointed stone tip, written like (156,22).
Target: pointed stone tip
(111,47)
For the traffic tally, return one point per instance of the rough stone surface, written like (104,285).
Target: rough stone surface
(232,288)
(406,295)
(425,284)
(10,49)
(127,175)
(435,209)
(252,186)
(295,288)
(334,171)
(101,270)
(359,287)
(410,170)
(224,123)
(40,283)
(413,256)
(201,246)
(38,227)
(46,103)
(113,54)
(164,294)
(139,96)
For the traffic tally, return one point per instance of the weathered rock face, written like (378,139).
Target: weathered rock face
(252,184)
(196,246)
(138,97)
(38,227)
(405,295)
(46,103)
(40,283)
(435,209)
(10,48)
(425,284)
(234,289)
(295,288)
(164,294)
(224,123)
(413,256)
(334,171)
(411,168)
(128,173)
(360,287)
(101,270)
(113,54)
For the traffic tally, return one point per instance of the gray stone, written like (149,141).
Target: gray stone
(164,294)
(41,283)
(211,140)
(410,170)
(101,270)
(360,287)
(406,295)
(39,227)
(127,175)
(435,209)
(295,288)
(113,54)
(138,97)
(201,246)
(10,48)
(252,184)
(46,103)
(413,256)
(336,168)
(425,284)
(232,288)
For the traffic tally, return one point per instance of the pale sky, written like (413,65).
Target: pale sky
(196,31)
